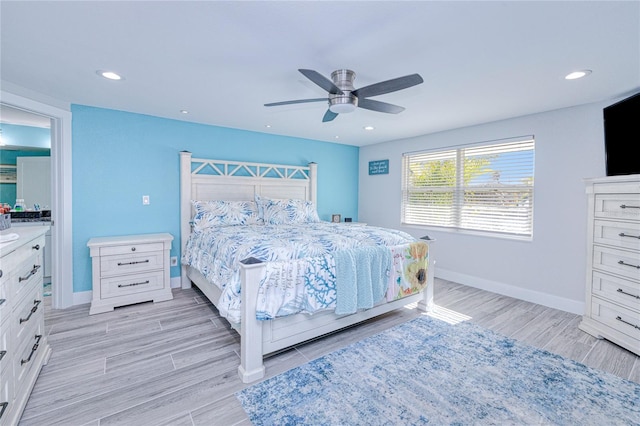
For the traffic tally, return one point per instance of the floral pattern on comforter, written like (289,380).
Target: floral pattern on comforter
(300,269)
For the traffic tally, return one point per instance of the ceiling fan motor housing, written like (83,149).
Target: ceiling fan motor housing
(346,102)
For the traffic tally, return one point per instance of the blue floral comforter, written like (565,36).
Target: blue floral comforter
(300,273)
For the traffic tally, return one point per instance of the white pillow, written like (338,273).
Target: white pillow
(225,213)
(286,211)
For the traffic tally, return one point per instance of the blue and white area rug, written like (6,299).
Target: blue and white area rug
(427,371)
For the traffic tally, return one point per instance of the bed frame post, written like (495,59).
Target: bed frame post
(251,367)
(313,178)
(185,210)
(426,303)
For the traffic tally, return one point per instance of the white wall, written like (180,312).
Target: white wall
(551,269)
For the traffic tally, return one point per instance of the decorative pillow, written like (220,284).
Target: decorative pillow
(225,213)
(286,211)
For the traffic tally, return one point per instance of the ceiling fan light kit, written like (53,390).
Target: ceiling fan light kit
(344,98)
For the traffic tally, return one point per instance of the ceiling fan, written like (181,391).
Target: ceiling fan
(344,98)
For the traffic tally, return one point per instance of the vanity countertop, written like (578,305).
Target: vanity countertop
(25,233)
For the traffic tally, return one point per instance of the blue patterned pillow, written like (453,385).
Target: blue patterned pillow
(286,211)
(225,213)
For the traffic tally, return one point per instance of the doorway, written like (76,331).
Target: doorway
(61,227)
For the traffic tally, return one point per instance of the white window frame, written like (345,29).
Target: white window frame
(497,201)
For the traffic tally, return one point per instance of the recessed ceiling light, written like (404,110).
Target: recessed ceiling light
(368,127)
(109,74)
(577,74)
(184,111)
(268,126)
(337,137)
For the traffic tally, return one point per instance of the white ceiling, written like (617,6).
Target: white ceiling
(481,61)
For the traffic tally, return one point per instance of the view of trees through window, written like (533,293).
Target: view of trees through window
(486,188)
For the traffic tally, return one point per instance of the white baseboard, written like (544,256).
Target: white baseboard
(555,302)
(82,297)
(175,282)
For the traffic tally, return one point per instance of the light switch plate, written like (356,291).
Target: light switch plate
(145,200)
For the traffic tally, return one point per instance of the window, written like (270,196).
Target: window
(486,187)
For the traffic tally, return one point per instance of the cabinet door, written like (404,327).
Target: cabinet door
(34,181)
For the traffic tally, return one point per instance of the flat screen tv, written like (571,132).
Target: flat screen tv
(622,136)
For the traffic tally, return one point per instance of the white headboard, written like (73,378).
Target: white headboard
(207,179)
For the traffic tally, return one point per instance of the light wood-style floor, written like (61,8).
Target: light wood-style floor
(175,362)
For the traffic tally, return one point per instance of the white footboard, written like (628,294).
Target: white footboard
(259,338)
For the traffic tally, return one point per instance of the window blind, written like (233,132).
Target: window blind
(486,187)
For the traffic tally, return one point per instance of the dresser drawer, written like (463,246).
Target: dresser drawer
(618,290)
(36,246)
(621,319)
(621,206)
(131,263)
(131,284)
(28,275)
(618,234)
(5,347)
(6,393)
(27,354)
(5,299)
(130,249)
(621,262)
(28,312)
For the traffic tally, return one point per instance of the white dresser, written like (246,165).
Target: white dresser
(129,269)
(23,342)
(612,308)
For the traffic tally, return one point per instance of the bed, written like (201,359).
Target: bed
(274,270)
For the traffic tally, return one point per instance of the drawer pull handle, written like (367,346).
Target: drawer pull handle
(4,406)
(620,262)
(36,247)
(2,301)
(622,234)
(619,318)
(133,263)
(33,349)
(133,249)
(623,206)
(33,311)
(133,284)
(33,271)
(628,294)
(2,354)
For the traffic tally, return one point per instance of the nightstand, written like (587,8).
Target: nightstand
(129,269)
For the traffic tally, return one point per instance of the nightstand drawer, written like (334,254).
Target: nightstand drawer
(130,249)
(621,262)
(129,269)
(131,284)
(131,263)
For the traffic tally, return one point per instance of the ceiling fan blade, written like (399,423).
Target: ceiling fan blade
(328,116)
(299,101)
(388,86)
(379,106)
(321,81)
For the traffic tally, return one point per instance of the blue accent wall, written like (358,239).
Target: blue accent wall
(118,157)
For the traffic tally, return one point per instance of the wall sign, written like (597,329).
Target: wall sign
(379,167)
